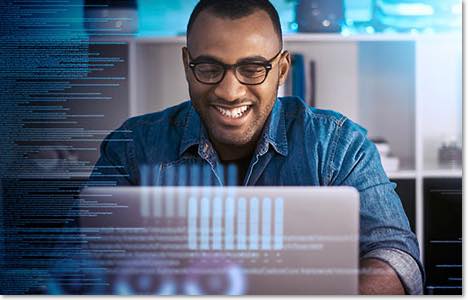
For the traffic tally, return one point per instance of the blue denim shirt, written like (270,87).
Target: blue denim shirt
(299,145)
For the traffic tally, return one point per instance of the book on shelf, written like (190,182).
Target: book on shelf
(296,82)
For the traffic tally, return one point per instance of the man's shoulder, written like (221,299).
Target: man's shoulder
(319,119)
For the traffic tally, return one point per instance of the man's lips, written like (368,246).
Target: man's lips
(231,115)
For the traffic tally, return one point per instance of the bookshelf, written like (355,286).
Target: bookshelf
(404,87)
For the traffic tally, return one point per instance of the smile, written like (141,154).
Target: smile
(234,113)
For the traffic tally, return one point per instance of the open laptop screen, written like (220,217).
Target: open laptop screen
(214,240)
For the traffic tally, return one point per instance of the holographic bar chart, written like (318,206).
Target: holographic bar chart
(229,223)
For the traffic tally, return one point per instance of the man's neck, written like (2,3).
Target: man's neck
(231,152)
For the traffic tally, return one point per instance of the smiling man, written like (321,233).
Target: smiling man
(233,71)
(234,63)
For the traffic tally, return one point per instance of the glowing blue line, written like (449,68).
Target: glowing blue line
(231,175)
(195,175)
(192,222)
(229,233)
(205,223)
(206,175)
(219,173)
(266,223)
(169,199)
(182,181)
(278,229)
(254,218)
(157,203)
(144,195)
(217,222)
(241,223)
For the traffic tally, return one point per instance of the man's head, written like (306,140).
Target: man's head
(234,101)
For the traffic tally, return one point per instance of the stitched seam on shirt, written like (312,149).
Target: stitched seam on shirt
(285,145)
(332,154)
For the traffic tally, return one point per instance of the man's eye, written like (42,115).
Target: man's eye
(251,70)
(209,68)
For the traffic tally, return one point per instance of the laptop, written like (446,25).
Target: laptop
(219,240)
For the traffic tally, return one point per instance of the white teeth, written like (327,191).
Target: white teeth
(234,113)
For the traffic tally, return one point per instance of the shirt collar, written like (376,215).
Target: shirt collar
(192,130)
(274,132)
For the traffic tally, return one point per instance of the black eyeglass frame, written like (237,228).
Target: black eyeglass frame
(268,65)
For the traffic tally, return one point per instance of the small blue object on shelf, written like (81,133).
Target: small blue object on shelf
(319,15)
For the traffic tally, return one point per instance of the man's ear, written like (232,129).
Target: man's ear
(284,66)
(185,62)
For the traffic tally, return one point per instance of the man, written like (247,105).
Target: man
(234,63)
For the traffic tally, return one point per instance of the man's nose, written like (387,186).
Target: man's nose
(230,89)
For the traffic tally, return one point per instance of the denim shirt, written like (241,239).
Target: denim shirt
(299,146)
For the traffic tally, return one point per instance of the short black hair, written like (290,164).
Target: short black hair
(235,9)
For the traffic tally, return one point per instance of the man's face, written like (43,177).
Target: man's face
(234,113)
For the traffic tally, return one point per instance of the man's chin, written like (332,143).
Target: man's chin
(234,141)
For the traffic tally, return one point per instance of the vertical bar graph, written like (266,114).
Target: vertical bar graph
(205,224)
(266,224)
(241,223)
(229,224)
(278,225)
(254,223)
(217,222)
(192,222)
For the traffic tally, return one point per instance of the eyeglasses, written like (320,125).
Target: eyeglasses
(249,73)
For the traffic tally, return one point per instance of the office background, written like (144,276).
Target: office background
(75,72)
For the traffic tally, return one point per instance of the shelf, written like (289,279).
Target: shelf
(441,172)
(433,169)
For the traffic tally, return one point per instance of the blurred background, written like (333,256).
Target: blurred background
(74,70)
